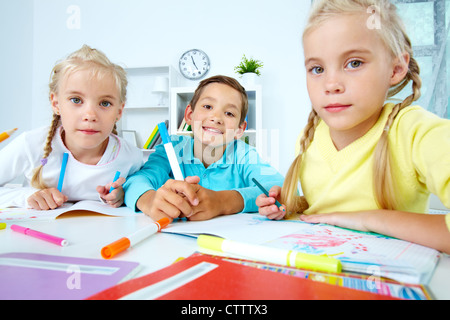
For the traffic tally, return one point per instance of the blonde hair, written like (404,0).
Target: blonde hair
(100,66)
(392,32)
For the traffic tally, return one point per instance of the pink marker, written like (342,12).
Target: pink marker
(40,235)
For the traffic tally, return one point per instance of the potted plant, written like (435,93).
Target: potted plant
(249,69)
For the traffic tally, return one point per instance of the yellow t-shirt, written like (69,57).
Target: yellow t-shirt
(342,180)
(447,220)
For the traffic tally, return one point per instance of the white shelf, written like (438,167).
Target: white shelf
(142,111)
(146,106)
(180,97)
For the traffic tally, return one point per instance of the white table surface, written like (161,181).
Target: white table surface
(87,234)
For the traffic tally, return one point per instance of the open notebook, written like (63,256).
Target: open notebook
(361,252)
(15,214)
(364,252)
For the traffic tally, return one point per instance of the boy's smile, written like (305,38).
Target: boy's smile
(212,130)
(215,119)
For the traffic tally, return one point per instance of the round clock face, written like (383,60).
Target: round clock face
(194,64)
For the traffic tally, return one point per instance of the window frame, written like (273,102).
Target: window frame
(435,101)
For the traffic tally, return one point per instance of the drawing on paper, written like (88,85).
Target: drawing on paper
(329,240)
(323,241)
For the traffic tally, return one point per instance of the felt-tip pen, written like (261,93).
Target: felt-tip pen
(117,176)
(40,235)
(265,191)
(124,243)
(63,171)
(174,165)
(267,254)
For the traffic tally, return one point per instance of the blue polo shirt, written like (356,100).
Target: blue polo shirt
(234,171)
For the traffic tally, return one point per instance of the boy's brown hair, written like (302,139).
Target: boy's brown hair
(231,82)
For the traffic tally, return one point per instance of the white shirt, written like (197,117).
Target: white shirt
(21,156)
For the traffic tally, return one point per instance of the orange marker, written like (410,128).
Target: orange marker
(5,135)
(124,243)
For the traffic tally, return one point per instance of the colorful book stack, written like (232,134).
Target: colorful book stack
(204,277)
(155,137)
(184,127)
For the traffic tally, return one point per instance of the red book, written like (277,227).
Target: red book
(203,277)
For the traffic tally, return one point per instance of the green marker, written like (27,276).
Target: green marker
(259,185)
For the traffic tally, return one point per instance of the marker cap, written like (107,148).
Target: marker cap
(162,223)
(116,247)
(163,132)
(19,229)
(316,263)
(210,242)
(2,226)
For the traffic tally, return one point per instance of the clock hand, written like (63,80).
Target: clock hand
(194,63)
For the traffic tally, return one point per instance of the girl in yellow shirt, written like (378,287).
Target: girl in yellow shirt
(364,164)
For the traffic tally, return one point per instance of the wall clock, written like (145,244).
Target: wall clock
(194,64)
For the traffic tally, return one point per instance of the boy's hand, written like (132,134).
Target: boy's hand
(215,203)
(46,199)
(115,197)
(267,206)
(174,199)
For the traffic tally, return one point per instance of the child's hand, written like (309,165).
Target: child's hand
(209,205)
(46,199)
(267,206)
(115,197)
(215,203)
(174,199)
(350,220)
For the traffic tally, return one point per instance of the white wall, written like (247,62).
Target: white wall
(154,32)
(16,62)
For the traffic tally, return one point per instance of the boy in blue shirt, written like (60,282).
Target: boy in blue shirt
(217,165)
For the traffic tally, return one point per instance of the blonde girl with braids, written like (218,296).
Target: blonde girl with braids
(87,95)
(363,163)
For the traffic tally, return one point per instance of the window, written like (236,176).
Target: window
(427,24)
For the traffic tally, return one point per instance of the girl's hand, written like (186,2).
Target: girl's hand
(428,230)
(115,197)
(350,220)
(267,206)
(46,199)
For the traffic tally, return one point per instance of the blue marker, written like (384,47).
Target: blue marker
(264,191)
(115,179)
(174,165)
(63,171)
